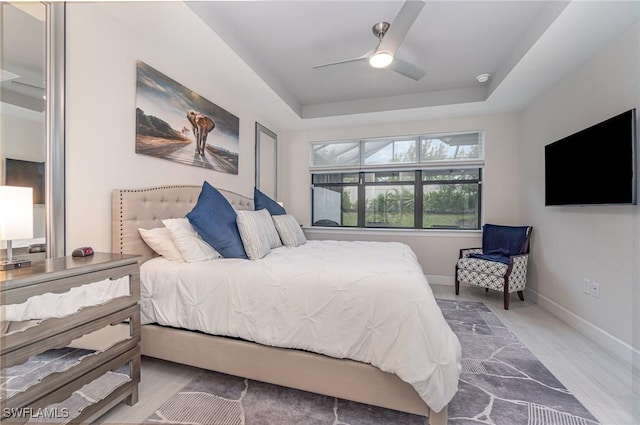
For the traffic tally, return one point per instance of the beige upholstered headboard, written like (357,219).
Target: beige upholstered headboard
(146,208)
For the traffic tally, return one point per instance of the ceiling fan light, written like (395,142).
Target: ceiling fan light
(381,60)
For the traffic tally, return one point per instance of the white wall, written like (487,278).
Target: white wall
(103,43)
(599,243)
(436,250)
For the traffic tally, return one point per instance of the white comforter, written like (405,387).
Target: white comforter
(366,301)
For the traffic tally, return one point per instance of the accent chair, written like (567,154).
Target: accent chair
(501,263)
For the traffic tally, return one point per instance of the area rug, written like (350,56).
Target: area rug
(502,383)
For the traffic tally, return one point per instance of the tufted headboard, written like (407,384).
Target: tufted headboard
(146,208)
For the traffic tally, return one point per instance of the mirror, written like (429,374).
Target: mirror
(266,161)
(31,116)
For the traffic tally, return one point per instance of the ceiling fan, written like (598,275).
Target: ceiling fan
(390,36)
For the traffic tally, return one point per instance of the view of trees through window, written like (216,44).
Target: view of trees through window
(421,182)
(444,199)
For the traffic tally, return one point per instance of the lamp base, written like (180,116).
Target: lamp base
(14,264)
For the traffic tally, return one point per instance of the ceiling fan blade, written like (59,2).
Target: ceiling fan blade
(407,69)
(361,58)
(400,26)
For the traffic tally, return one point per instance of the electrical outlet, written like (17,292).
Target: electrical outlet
(586,287)
(595,289)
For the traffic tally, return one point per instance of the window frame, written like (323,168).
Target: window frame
(396,166)
(355,184)
(477,181)
(417,168)
(362,222)
(417,184)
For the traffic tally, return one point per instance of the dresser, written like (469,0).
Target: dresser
(70,338)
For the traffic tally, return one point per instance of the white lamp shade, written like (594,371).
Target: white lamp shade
(16,212)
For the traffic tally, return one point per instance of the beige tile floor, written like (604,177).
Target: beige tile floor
(609,388)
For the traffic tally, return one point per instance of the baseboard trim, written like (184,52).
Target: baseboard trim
(440,280)
(608,342)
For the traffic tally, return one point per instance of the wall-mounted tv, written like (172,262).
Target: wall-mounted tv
(26,174)
(594,166)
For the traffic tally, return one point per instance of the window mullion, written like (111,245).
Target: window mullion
(418,211)
(479,212)
(361,200)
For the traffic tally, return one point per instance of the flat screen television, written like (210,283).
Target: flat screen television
(595,166)
(26,174)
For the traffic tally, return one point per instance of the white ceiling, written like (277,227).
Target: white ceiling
(453,41)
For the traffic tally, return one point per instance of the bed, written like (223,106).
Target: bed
(346,371)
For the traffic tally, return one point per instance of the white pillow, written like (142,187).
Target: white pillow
(289,230)
(256,231)
(159,239)
(190,245)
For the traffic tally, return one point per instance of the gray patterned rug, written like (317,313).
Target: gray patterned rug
(502,383)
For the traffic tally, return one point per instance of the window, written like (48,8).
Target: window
(425,182)
(455,147)
(336,154)
(389,151)
(451,199)
(389,199)
(335,199)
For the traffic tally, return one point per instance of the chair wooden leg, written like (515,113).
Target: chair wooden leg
(457,281)
(521,295)
(506,298)
(486,289)
(507,295)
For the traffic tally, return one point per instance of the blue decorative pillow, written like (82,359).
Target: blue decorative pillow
(260,200)
(214,219)
(504,240)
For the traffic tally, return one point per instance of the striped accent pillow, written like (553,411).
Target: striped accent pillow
(289,230)
(270,230)
(256,231)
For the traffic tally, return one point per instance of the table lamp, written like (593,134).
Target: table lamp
(16,221)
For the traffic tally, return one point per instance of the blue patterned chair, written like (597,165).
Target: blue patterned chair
(501,263)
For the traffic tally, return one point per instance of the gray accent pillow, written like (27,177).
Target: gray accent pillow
(270,229)
(256,231)
(289,230)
